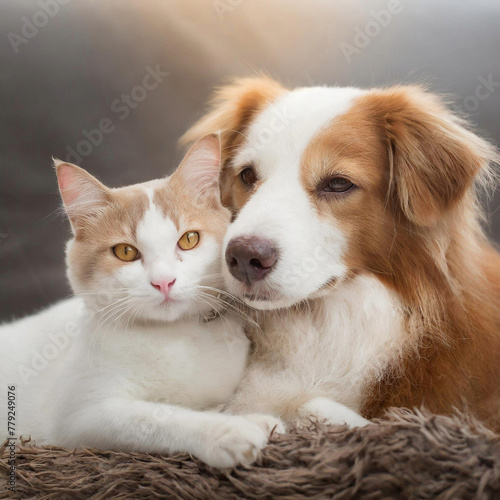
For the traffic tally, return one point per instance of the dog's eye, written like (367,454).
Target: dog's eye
(248,176)
(338,185)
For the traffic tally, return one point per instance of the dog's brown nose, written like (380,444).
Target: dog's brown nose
(250,258)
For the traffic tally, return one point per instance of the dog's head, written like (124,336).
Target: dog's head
(326,183)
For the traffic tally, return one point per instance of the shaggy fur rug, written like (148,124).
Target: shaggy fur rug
(410,455)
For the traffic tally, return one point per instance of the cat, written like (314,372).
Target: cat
(143,354)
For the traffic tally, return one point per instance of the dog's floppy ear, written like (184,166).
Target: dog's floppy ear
(232,107)
(433,158)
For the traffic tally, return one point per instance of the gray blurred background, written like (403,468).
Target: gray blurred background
(67,65)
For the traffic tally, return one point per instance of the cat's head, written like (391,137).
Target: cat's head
(150,251)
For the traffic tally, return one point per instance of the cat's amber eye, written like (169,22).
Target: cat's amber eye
(189,240)
(126,252)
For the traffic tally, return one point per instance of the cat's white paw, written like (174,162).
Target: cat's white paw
(233,441)
(271,425)
(331,412)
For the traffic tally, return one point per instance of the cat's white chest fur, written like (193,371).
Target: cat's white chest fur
(189,363)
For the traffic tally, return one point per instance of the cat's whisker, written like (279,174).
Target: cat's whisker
(114,318)
(222,295)
(233,308)
(101,293)
(127,309)
(136,313)
(107,318)
(130,318)
(112,315)
(117,319)
(117,301)
(228,305)
(223,319)
(209,276)
(224,292)
(104,317)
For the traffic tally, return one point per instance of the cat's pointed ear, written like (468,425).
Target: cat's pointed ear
(200,169)
(82,194)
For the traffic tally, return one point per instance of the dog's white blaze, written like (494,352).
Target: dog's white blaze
(304,113)
(310,249)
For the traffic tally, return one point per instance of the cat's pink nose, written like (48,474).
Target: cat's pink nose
(163,286)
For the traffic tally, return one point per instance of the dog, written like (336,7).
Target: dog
(357,239)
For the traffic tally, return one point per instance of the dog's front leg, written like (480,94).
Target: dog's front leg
(326,410)
(276,393)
